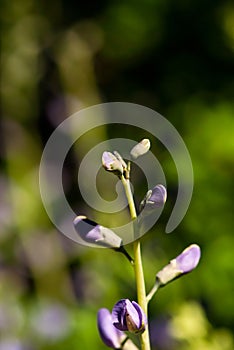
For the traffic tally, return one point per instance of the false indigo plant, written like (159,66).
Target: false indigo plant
(131,316)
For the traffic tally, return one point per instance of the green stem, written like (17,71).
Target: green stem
(141,294)
(138,266)
(152,292)
(128,192)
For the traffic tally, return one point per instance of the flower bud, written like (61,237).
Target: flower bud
(182,264)
(141,148)
(94,233)
(110,335)
(119,157)
(111,163)
(154,198)
(129,316)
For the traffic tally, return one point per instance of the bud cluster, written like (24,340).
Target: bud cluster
(128,316)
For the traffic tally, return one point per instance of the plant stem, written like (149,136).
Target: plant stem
(141,294)
(125,253)
(128,192)
(152,292)
(138,267)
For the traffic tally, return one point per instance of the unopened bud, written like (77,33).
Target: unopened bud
(154,198)
(129,316)
(111,163)
(141,148)
(92,232)
(119,157)
(182,264)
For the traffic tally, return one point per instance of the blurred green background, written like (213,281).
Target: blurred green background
(61,56)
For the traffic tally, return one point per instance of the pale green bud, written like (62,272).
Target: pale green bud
(141,148)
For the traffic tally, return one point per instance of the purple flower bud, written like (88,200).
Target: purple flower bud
(129,316)
(158,196)
(141,148)
(182,264)
(154,198)
(189,258)
(111,163)
(110,335)
(92,232)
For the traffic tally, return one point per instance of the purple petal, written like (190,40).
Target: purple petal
(87,229)
(189,258)
(94,233)
(133,316)
(119,315)
(182,264)
(158,196)
(107,159)
(142,315)
(109,334)
(128,316)
(111,163)
(153,199)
